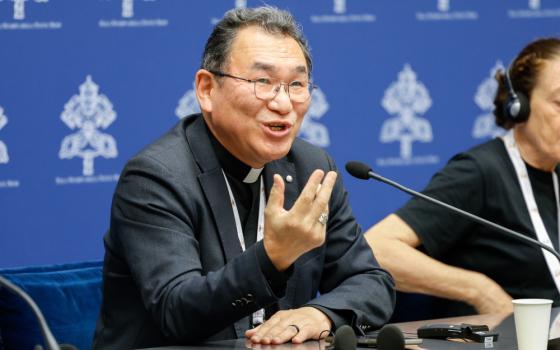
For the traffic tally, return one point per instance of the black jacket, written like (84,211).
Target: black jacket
(174,269)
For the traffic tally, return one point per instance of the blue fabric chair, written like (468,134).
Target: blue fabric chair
(68,295)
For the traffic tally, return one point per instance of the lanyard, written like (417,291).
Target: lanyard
(538,225)
(258,316)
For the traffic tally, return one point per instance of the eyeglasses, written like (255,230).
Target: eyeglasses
(266,89)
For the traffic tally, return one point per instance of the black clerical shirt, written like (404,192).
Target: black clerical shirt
(246,195)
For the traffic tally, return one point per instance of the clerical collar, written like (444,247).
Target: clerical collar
(233,166)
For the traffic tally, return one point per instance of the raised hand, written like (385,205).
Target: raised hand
(290,233)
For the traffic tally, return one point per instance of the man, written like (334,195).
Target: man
(193,254)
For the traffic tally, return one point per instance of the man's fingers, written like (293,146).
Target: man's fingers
(321,202)
(266,331)
(309,192)
(300,337)
(276,196)
(280,333)
(326,188)
(285,335)
(296,325)
(250,332)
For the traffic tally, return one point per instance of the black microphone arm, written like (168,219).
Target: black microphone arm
(364,172)
(50,341)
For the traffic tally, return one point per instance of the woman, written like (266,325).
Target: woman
(430,251)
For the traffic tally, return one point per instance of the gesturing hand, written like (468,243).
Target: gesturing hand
(297,325)
(289,234)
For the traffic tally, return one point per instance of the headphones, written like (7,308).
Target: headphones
(517,106)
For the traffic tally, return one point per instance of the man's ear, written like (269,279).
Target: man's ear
(204,84)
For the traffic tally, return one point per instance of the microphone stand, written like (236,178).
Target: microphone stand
(475,218)
(50,341)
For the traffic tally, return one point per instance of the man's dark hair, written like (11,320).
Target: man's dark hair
(268,18)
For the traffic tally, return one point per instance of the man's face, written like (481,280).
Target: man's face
(257,131)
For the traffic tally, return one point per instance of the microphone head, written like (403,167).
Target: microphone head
(390,337)
(345,338)
(358,169)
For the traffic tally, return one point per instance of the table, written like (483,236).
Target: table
(502,323)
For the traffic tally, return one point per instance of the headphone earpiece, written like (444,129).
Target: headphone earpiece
(517,106)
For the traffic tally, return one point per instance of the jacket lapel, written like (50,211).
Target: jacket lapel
(215,190)
(286,169)
(213,184)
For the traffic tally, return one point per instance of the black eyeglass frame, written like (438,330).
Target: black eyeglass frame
(310,86)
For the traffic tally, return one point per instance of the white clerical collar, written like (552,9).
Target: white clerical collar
(253,175)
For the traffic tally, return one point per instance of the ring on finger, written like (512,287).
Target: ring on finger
(296,327)
(323,218)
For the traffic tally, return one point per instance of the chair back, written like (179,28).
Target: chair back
(69,296)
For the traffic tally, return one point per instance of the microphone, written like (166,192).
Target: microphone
(390,337)
(345,338)
(49,338)
(364,172)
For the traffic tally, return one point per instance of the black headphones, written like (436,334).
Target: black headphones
(517,106)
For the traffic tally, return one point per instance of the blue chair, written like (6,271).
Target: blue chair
(68,295)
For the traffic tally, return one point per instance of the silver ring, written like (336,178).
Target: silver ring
(296,327)
(323,218)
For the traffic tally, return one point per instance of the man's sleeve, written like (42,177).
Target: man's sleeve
(352,285)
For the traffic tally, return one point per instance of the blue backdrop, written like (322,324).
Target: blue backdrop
(84,85)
